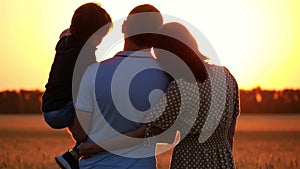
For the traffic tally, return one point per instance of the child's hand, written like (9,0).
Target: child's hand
(64,33)
(88,149)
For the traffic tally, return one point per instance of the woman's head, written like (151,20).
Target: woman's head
(176,39)
(180,32)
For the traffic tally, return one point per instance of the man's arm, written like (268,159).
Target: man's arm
(81,125)
(84,106)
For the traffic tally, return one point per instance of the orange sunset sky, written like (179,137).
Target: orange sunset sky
(258,40)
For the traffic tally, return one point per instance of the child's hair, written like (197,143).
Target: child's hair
(87,19)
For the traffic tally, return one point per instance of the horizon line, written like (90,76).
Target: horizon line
(246,89)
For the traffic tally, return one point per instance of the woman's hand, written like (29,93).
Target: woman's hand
(141,131)
(88,149)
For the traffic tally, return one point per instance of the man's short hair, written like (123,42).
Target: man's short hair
(142,23)
(87,19)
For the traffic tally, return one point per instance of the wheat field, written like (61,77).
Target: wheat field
(260,143)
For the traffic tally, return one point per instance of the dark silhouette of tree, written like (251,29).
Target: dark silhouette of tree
(270,102)
(22,102)
(255,101)
(9,102)
(30,101)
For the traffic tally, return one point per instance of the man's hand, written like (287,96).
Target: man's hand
(88,149)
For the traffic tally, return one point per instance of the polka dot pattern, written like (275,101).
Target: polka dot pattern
(204,112)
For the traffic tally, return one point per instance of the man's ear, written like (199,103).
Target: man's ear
(124,27)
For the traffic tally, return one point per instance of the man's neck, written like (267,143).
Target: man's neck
(129,46)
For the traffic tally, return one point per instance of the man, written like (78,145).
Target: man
(115,94)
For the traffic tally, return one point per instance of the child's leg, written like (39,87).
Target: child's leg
(60,118)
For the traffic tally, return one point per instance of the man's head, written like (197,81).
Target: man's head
(141,25)
(89,18)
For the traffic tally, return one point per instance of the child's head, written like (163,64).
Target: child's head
(87,19)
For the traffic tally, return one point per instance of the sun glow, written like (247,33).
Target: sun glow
(257,40)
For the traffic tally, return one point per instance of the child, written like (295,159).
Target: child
(57,101)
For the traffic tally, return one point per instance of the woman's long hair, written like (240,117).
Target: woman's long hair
(178,42)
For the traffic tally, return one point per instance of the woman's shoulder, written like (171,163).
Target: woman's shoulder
(219,70)
(182,83)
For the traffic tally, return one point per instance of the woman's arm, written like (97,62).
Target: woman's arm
(87,149)
(156,124)
(236,112)
(231,133)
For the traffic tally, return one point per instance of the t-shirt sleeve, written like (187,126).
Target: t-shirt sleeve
(86,92)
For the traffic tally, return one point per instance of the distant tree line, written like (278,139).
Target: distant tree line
(270,101)
(254,101)
(20,102)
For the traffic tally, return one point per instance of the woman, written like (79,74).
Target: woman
(206,120)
